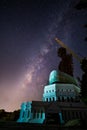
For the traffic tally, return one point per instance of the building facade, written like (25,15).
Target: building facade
(60,102)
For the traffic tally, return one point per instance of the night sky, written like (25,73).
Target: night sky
(28,51)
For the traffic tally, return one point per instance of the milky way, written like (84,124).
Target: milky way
(28,51)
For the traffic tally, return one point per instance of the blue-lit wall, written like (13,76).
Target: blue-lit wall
(60,92)
(29,115)
(52,92)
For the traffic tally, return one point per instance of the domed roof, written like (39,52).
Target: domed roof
(58,76)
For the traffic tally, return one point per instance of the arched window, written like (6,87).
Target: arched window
(58,98)
(63,99)
(71,99)
(41,113)
(53,99)
(52,90)
(34,113)
(68,99)
(77,116)
(38,114)
(47,99)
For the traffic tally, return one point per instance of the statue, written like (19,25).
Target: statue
(66,64)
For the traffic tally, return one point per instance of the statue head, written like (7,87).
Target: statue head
(61,52)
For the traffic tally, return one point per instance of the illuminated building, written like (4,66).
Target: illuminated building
(60,102)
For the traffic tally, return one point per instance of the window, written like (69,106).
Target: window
(68,99)
(80,114)
(57,90)
(34,113)
(50,99)
(47,99)
(67,90)
(53,99)
(41,113)
(52,90)
(77,116)
(63,99)
(71,99)
(58,98)
(38,114)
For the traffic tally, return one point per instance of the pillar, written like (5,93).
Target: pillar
(61,119)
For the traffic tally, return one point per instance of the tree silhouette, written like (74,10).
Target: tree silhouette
(83,5)
(84,78)
(9,116)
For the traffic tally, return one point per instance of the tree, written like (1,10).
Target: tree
(83,5)
(9,116)
(84,78)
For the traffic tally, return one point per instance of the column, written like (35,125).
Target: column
(61,119)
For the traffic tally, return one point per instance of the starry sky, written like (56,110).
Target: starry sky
(28,51)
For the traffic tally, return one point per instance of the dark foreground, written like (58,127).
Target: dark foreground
(26,126)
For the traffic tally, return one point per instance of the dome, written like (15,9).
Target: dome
(58,76)
(53,77)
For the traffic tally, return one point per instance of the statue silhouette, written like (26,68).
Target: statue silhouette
(66,63)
